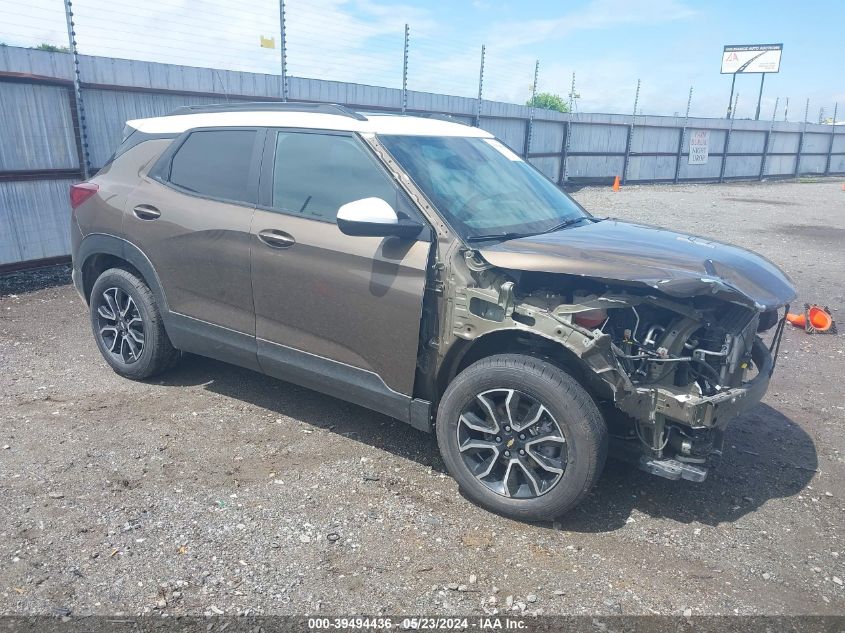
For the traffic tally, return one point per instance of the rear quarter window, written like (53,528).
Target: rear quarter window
(216,164)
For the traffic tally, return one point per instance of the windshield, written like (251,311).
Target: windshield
(481,187)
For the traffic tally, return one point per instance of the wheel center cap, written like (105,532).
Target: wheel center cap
(510,442)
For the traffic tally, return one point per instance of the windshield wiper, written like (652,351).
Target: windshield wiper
(513,236)
(497,236)
(570,222)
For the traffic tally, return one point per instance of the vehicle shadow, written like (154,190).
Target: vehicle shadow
(766,455)
(319,410)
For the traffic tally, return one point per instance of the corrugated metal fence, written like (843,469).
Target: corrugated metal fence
(40,143)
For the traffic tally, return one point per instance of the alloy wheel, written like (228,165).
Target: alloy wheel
(511,443)
(121,328)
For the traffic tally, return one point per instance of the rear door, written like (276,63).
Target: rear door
(191,216)
(331,308)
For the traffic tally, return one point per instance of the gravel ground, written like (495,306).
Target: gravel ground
(215,489)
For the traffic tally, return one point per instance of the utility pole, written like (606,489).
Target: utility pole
(731,98)
(760,96)
(405,71)
(480,87)
(84,159)
(529,131)
(630,135)
(682,139)
(283,50)
(728,141)
(764,159)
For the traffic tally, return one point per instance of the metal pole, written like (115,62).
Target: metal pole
(630,135)
(405,71)
(760,96)
(480,87)
(681,139)
(832,139)
(530,127)
(731,98)
(567,138)
(786,109)
(728,141)
(765,157)
(82,133)
(283,49)
(801,140)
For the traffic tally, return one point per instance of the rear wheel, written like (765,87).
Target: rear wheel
(521,437)
(128,326)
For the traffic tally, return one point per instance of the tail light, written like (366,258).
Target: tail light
(81,192)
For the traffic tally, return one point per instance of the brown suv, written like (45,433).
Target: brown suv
(420,268)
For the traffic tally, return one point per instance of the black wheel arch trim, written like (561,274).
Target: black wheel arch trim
(95,244)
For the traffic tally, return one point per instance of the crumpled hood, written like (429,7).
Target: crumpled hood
(676,264)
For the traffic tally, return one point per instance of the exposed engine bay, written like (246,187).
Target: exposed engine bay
(669,373)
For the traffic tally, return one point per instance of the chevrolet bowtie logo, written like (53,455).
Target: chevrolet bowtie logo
(510,442)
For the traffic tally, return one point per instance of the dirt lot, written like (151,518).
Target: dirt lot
(216,489)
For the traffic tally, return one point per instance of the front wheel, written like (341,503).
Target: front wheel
(521,437)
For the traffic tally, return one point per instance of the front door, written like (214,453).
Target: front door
(191,217)
(334,312)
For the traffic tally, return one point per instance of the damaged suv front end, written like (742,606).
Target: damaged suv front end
(672,325)
(666,331)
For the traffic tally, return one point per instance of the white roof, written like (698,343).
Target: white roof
(374,123)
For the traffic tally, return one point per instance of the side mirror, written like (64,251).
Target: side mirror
(373,217)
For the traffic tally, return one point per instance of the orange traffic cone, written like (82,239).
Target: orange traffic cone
(616,184)
(820,319)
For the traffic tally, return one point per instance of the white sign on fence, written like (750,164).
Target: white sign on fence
(699,146)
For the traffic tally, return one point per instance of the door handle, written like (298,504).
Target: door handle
(146,212)
(276,239)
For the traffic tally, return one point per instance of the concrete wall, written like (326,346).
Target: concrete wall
(41,145)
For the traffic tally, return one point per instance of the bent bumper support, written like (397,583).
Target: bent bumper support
(657,408)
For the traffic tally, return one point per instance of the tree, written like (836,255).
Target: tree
(548,101)
(51,48)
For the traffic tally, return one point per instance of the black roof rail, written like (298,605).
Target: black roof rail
(272,106)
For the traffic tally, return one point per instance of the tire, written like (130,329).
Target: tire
(529,491)
(139,348)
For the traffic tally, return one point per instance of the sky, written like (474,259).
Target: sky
(668,45)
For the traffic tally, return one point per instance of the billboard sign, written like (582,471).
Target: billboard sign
(752,58)
(699,147)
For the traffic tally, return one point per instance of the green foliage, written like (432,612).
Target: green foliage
(548,101)
(51,48)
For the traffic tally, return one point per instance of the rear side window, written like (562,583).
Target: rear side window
(215,164)
(315,174)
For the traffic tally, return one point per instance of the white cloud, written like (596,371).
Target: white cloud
(598,14)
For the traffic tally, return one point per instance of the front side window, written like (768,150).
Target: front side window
(481,187)
(216,164)
(315,174)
